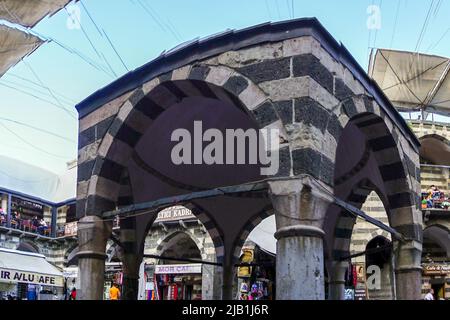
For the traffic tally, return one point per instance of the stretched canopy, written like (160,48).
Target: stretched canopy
(29,12)
(413,81)
(15,45)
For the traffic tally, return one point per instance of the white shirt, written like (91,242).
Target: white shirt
(429,296)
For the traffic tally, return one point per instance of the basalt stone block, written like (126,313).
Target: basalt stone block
(150,108)
(343,233)
(108,169)
(267,70)
(412,231)
(199,72)
(137,96)
(400,200)
(96,205)
(382,143)
(310,65)
(341,90)
(236,85)
(311,112)
(284,110)
(306,161)
(392,171)
(80,207)
(284,169)
(265,114)
(85,170)
(93,133)
(327,171)
(368,104)
(123,132)
(165,77)
(334,127)
(350,108)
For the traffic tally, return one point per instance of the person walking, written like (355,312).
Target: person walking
(73,294)
(429,295)
(114,292)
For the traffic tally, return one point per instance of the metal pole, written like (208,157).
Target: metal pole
(8,212)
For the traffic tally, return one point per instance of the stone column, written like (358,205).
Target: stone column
(130,284)
(408,270)
(131,259)
(300,206)
(227,283)
(336,283)
(93,234)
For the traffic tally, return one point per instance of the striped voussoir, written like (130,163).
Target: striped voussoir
(161,246)
(249,226)
(121,133)
(398,172)
(210,226)
(345,222)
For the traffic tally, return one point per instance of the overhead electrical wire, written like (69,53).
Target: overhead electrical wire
(33,89)
(69,112)
(38,129)
(33,145)
(395,23)
(268,10)
(67,99)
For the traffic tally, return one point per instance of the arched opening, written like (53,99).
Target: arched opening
(435,166)
(371,175)
(28,247)
(435,260)
(256,273)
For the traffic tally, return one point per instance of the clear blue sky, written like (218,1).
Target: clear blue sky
(138,37)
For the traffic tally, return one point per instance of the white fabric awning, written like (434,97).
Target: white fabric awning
(14,46)
(26,267)
(263,235)
(29,12)
(413,81)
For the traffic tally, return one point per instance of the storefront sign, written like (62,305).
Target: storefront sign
(178,268)
(14,276)
(71,229)
(174,213)
(436,269)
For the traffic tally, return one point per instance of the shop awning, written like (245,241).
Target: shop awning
(26,267)
(413,81)
(263,235)
(14,46)
(28,13)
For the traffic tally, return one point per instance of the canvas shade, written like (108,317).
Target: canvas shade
(413,81)
(14,46)
(28,13)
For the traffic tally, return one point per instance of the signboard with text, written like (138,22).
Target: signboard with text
(436,269)
(174,213)
(15,276)
(178,268)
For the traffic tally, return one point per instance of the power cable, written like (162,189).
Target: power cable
(68,100)
(38,129)
(278,9)
(90,17)
(432,46)
(69,112)
(424,27)
(395,23)
(101,56)
(33,145)
(31,95)
(115,50)
(32,89)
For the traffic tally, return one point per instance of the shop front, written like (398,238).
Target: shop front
(436,276)
(256,274)
(176,282)
(28,276)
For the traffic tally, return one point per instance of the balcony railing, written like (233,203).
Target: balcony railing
(437,177)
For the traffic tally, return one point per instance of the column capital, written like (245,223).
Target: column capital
(299,201)
(408,256)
